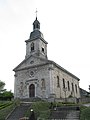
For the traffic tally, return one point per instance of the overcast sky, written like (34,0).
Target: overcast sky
(65,25)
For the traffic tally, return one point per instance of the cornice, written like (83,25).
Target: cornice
(29,40)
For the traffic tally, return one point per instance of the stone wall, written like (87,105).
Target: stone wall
(59,91)
(85,100)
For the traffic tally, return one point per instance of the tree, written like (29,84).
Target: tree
(7,95)
(2,84)
(4,94)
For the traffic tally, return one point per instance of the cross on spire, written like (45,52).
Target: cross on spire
(36,23)
(36,12)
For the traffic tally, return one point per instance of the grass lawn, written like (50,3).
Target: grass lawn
(5,108)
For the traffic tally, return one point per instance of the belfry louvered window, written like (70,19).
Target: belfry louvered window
(32,46)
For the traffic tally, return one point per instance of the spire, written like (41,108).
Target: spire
(36,12)
(36,29)
(36,23)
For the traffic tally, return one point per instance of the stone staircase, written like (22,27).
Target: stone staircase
(73,115)
(65,113)
(19,111)
(33,99)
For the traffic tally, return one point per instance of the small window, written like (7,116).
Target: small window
(58,84)
(42,49)
(32,46)
(31,62)
(31,73)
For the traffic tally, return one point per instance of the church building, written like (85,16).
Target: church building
(38,77)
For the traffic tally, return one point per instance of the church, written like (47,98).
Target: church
(38,77)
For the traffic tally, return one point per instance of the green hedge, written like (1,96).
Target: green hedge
(85,113)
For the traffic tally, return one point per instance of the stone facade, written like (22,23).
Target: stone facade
(36,76)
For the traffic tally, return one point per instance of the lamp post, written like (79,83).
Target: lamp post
(65,90)
(32,116)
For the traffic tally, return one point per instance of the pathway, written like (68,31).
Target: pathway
(19,112)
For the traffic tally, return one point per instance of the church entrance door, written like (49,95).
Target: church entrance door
(32,90)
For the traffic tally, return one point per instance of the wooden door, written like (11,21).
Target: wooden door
(32,90)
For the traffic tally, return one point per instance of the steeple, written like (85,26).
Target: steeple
(36,45)
(36,30)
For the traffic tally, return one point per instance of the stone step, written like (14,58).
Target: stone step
(19,112)
(73,115)
(63,119)
(68,108)
(32,99)
(58,115)
(65,113)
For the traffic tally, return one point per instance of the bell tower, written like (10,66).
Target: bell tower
(36,45)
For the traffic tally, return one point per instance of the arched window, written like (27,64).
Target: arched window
(72,87)
(68,85)
(32,46)
(63,83)
(58,83)
(76,88)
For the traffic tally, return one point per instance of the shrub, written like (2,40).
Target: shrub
(85,113)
